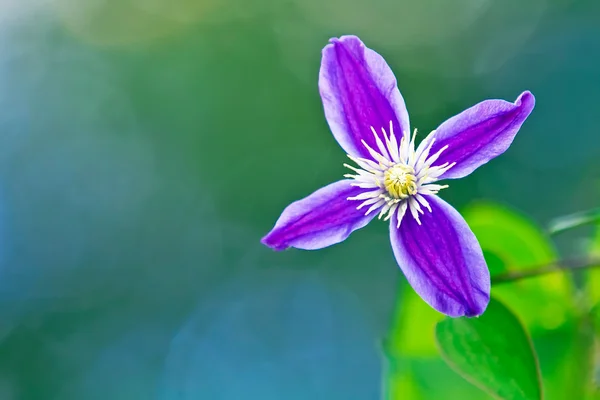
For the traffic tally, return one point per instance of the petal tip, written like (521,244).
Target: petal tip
(331,45)
(527,99)
(477,309)
(268,241)
(526,93)
(468,311)
(343,38)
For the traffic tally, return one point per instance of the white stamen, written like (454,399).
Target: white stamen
(412,202)
(411,148)
(385,209)
(369,202)
(391,212)
(397,178)
(376,155)
(366,195)
(404,145)
(403,150)
(413,210)
(392,144)
(401,212)
(434,157)
(365,164)
(380,146)
(375,206)
(424,202)
(422,157)
(365,185)
(358,171)
(431,188)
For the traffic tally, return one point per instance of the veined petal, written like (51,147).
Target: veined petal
(480,134)
(322,219)
(442,260)
(359,91)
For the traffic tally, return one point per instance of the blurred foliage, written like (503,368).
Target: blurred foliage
(130,22)
(512,242)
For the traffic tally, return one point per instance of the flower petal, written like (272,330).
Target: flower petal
(442,260)
(480,134)
(359,91)
(324,218)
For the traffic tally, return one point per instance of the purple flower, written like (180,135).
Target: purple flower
(432,243)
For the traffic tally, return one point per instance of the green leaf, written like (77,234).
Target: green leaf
(572,221)
(493,352)
(512,242)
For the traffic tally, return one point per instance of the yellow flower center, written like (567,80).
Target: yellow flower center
(400,181)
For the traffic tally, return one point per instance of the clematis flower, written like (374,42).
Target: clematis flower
(433,245)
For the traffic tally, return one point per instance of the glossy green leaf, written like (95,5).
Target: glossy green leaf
(512,242)
(493,352)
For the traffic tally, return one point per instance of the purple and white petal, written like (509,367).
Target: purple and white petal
(359,91)
(322,219)
(479,134)
(442,260)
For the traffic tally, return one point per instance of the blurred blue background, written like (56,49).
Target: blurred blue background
(147,145)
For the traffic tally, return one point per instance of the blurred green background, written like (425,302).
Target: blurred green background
(147,145)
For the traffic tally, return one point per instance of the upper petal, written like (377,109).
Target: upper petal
(324,218)
(442,260)
(480,133)
(359,91)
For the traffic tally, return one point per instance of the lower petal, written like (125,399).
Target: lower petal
(442,260)
(322,219)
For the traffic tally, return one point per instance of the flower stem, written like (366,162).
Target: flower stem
(561,265)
